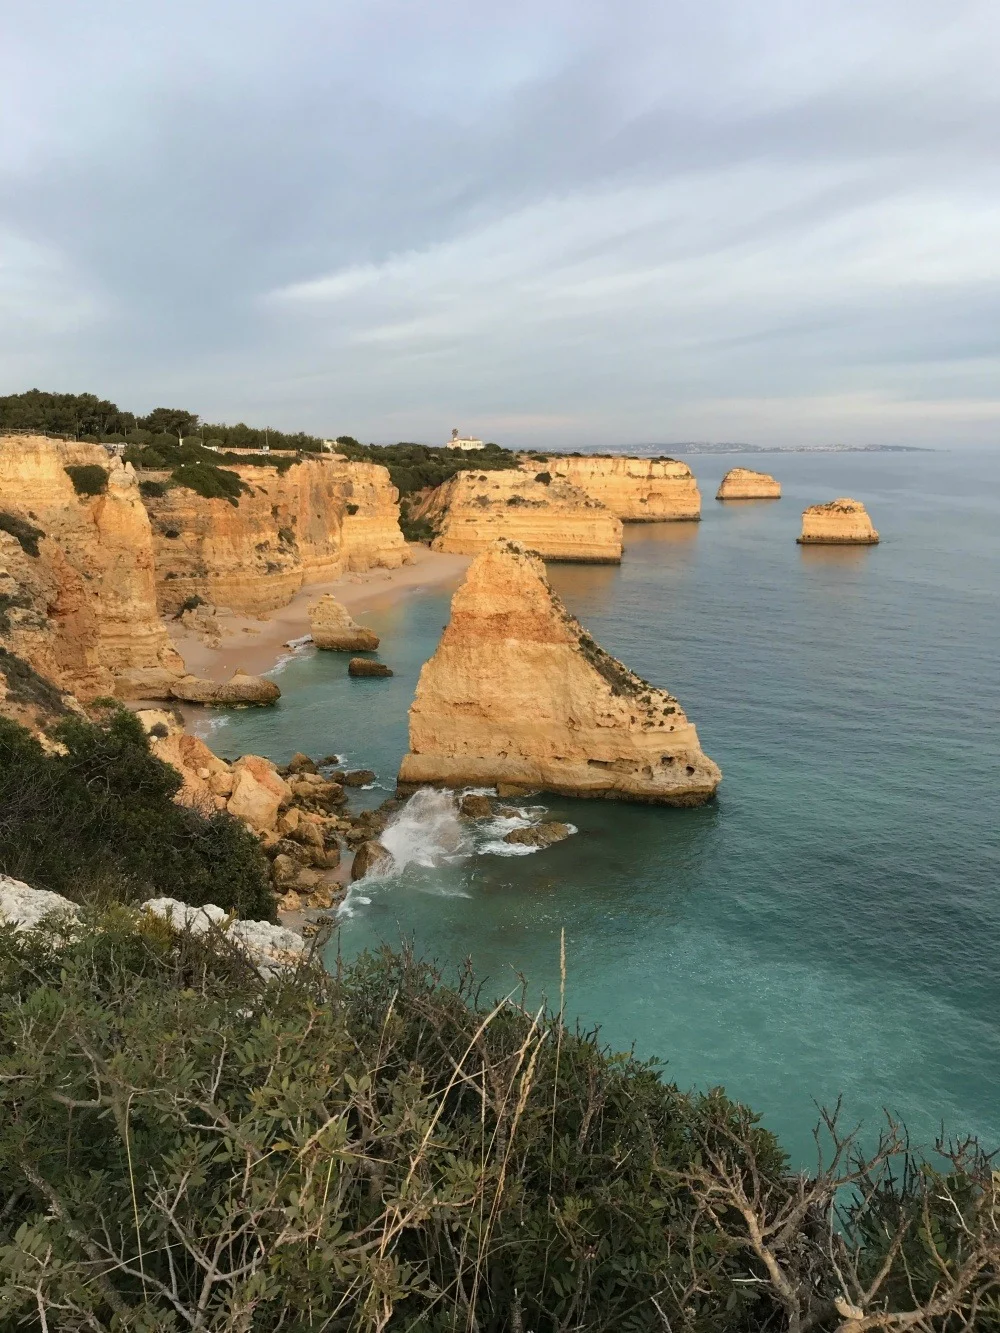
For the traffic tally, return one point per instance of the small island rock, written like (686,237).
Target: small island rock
(364,666)
(333,628)
(742,483)
(538,835)
(475,807)
(841,522)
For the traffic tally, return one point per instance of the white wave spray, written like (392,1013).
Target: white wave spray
(427,831)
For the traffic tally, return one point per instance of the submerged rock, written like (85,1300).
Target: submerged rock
(475,807)
(519,697)
(742,483)
(841,522)
(333,628)
(371,858)
(539,835)
(364,666)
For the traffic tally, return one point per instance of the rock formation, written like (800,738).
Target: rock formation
(556,519)
(332,627)
(742,483)
(519,696)
(77,583)
(303,524)
(364,666)
(637,490)
(839,523)
(157,683)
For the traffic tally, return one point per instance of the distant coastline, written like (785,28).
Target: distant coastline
(704,447)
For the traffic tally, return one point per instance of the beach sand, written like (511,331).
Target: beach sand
(256,644)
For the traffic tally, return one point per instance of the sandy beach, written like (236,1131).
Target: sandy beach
(256,644)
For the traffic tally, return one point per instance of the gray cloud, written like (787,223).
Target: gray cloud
(553,222)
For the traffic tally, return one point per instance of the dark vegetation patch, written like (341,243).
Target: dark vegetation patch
(543,477)
(352,508)
(88,478)
(104,814)
(287,536)
(386,1151)
(24,533)
(190,604)
(154,490)
(11,601)
(26,686)
(416,467)
(619,677)
(211,482)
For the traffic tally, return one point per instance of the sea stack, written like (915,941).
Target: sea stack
(333,628)
(742,483)
(839,523)
(518,694)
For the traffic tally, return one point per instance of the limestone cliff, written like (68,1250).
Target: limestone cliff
(557,519)
(77,584)
(637,490)
(304,524)
(841,522)
(742,483)
(518,694)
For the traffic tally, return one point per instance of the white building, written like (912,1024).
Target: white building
(463,442)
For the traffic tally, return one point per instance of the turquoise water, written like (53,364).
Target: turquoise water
(829,925)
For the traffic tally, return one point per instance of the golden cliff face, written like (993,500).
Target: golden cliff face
(557,520)
(307,524)
(839,523)
(518,694)
(637,490)
(742,483)
(83,608)
(372,538)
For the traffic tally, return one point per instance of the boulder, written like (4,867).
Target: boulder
(301,763)
(333,628)
(364,666)
(270,948)
(475,807)
(371,858)
(538,835)
(359,778)
(241,688)
(24,908)
(258,792)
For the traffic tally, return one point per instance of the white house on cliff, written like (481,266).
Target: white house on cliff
(462,442)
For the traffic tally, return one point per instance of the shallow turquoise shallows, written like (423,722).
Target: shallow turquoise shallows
(831,924)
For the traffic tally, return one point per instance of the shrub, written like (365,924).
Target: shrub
(88,479)
(154,490)
(187,1146)
(544,477)
(24,685)
(210,482)
(352,508)
(103,814)
(24,533)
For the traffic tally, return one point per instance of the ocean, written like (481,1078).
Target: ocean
(829,926)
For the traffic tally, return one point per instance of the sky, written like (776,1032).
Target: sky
(563,223)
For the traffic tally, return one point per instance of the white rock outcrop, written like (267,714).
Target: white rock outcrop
(25,908)
(270,947)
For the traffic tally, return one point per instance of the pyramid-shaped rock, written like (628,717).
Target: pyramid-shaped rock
(518,695)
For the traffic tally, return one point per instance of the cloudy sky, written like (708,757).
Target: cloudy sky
(542,221)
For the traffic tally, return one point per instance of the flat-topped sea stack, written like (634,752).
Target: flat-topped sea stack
(552,517)
(519,696)
(333,628)
(637,490)
(839,523)
(742,483)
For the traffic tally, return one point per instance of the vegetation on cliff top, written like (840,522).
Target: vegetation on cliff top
(417,467)
(88,479)
(24,533)
(101,818)
(187,1146)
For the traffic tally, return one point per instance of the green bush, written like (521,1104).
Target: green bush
(24,533)
(88,478)
(210,482)
(154,490)
(103,815)
(187,1146)
(415,467)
